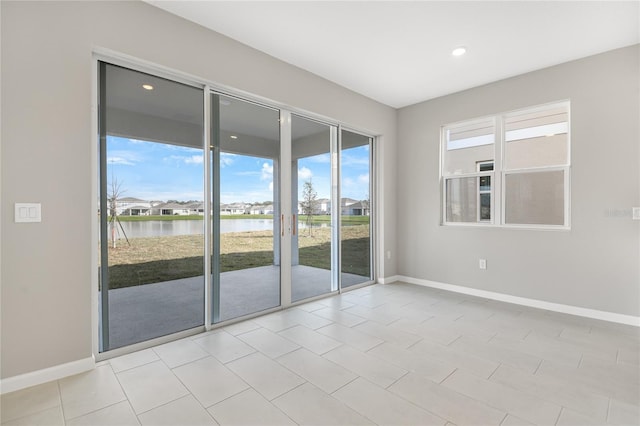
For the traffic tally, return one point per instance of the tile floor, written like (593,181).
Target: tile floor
(394,354)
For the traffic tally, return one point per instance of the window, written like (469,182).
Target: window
(509,170)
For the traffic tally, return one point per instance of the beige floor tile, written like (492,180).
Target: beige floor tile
(132,360)
(237,328)
(424,366)
(184,412)
(571,418)
(308,405)
(49,417)
(309,320)
(351,337)
(388,333)
(592,380)
(554,390)
(373,369)
(120,414)
(310,339)
(150,386)
(446,403)
(233,411)
(268,342)
(324,374)
(504,398)
(460,359)
(339,316)
(496,353)
(265,375)
(512,420)
(376,315)
(29,401)
(383,407)
(336,302)
(180,352)
(209,380)
(223,346)
(622,413)
(90,391)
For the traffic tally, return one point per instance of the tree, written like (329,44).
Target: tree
(309,202)
(112,199)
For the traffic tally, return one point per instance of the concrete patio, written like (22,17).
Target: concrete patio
(144,312)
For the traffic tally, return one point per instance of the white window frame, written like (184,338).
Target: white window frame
(498,175)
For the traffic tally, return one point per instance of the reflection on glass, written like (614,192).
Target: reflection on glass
(311,200)
(462,199)
(245,240)
(151,208)
(355,229)
(535,198)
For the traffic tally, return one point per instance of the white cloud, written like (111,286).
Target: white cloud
(194,159)
(271,186)
(266,172)
(226,159)
(363,179)
(123,157)
(120,161)
(304,173)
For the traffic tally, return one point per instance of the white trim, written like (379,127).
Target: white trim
(389,280)
(45,375)
(524,301)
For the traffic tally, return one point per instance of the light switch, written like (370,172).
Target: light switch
(28,212)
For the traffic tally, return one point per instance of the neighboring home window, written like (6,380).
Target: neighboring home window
(511,169)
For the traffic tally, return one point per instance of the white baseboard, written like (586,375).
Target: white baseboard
(22,381)
(516,300)
(388,280)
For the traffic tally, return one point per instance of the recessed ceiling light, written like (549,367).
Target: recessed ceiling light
(147,87)
(459,51)
(233,137)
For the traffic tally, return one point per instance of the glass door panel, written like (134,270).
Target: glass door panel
(151,207)
(312,257)
(245,181)
(355,209)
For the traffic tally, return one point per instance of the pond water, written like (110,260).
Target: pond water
(162,228)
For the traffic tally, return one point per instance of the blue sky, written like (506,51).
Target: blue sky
(156,171)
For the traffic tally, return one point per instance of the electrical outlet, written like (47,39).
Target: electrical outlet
(482,263)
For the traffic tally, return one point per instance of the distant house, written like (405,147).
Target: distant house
(261,209)
(131,206)
(196,208)
(234,208)
(361,208)
(171,209)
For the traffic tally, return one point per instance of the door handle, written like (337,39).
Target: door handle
(282,225)
(294,225)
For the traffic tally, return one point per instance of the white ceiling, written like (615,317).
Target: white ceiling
(399,53)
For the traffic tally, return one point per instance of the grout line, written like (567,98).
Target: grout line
(397,380)
(449,375)
(494,371)
(535,372)
(504,418)
(346,384)
(559,414)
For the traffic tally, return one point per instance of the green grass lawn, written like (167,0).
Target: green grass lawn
(316,219)
(156,259)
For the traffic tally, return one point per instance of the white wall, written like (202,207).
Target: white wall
(47,151)
(595,265)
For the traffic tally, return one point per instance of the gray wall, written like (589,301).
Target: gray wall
(47,143)
(594,265)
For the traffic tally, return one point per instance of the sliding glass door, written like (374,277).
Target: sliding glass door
(213,207)
(355,209)
(313,258)
(151,207)
(245,193)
